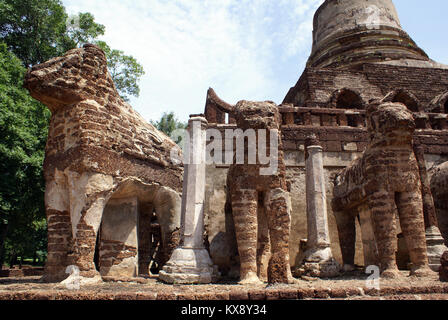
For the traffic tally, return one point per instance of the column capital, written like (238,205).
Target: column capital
(198,118)
(312,140)
(315,148)
(312,145)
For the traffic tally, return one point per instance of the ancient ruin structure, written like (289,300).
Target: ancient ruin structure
(190,262)
(439,189)
(257,198)
(106,169)
(382,184)
(443,272)
(434,239)
(109,173)
(318,260)
(360,53)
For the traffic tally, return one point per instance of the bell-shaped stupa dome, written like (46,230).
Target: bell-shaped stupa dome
(350,32)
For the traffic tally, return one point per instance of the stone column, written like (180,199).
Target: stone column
(190,262)
(318,261)
(434,240)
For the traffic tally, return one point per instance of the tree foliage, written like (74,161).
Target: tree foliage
(38,30)
(82,28)
(168,123)
(23,132)
(32,32)
(124,69)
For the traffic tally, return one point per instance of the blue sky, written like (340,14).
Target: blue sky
(244,49)
(427,23)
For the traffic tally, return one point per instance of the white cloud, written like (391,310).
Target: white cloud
(185,46)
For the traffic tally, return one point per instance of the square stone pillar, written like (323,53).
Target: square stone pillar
(318,260)
(190,262)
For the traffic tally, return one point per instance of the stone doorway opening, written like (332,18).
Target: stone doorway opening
(349,99)
(118,238)
(151,253)
(138,231)
(405,98)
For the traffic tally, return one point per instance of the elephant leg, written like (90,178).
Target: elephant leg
(59,228)
(264,246)
(89,193)
(345,221)
(278,206)
(383,208)
(86,233)
(369,244)
(232,253)
(167,205)
(244,210)
(412,224)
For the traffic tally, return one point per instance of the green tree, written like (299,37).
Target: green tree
(38,30)
(82,28)
(23,132)
(32,32)
(125,71)
(33,29)
(168,123)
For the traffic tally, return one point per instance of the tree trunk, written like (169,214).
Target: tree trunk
(3,232)
(12,260)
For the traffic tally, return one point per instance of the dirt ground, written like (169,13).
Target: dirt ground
(349,287)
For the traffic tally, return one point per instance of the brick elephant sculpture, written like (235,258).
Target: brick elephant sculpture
(379,186)
(98,150)
(257,196)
